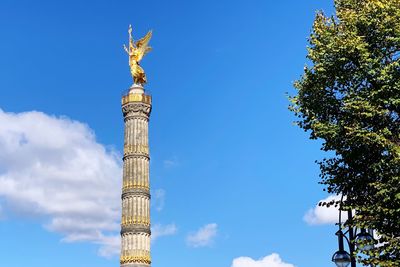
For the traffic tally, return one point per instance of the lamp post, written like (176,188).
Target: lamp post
(341,257)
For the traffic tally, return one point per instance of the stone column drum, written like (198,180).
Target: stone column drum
(135,223)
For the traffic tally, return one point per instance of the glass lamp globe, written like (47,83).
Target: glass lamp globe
(341,258)
(364,241)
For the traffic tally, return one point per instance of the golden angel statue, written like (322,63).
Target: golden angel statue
(136,52)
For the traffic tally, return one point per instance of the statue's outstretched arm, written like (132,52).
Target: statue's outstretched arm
(126,49)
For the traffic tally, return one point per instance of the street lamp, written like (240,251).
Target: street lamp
(363,240)
(341,258)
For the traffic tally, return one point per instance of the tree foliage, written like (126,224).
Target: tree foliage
(350,98)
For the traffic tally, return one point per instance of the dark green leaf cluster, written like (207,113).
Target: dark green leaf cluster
(350,98)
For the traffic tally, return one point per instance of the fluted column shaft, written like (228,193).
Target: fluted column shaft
(135,222)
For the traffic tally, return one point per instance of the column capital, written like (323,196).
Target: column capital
(136,105)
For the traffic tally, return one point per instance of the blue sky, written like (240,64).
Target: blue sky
(231,175)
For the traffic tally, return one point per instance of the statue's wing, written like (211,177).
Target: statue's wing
(144,41)
(143,45)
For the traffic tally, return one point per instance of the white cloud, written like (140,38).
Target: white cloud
(158,196)
(159,230)
(323,215)
(52,169)
(273,260)
(203,237)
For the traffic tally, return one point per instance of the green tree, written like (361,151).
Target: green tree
(350,98)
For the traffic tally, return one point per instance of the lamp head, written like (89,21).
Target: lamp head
(341,258)
(364,241)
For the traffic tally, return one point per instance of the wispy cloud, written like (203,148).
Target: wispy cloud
(109,245)
(160,230)
(273,260)
(323,215)
(53,168)
(158,199)
(170,163)
(203,237)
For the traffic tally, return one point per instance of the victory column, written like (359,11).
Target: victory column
(136,108)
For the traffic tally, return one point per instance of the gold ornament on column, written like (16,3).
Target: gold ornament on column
(136,52)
